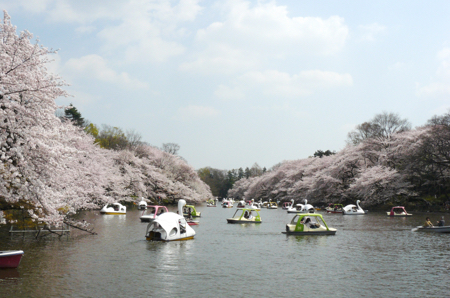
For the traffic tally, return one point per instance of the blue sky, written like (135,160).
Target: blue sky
(238,82)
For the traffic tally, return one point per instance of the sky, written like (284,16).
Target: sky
(237,82)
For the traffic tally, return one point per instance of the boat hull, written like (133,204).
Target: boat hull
(163,240)
(229,220)
(146,219)
(444,229)
(311,233)
(113,213)
(10,258)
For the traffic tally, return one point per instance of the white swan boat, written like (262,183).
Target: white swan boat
(398,211)
(241,204)
(170,226)
(334,208)
(142,205)
(308,224)
(152,212)
(227,204)
(272,205)
(300,208)
(113,209)
(353,209)
(245,215)
(287,205)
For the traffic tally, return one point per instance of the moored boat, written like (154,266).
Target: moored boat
(287,205)
(308,224)
(399,211)
(245,215)
(10,258)
(142,205)
(114,209)
(152,212)
(227,204)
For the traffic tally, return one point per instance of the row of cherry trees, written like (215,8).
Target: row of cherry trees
(402,165)
(52,168)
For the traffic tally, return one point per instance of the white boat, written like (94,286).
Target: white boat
(241,204)
(272,205)
(254,206)
(300,208)
(152,212)
(287,205)
(353,209)
(435,229)
(170,226)
(308,224)
(113,209)
(142,205)
(227,204)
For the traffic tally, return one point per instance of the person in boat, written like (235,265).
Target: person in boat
(182,228)
(427,223)
(246,215)
(441,222)
(250,215)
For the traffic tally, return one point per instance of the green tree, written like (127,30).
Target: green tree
(320,153)
(112,138)
(74,115)
(240,173)
(247,172)
(92,130)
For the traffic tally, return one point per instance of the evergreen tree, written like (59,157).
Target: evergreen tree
(75,116)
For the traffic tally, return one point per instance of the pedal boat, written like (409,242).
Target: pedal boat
(272,205)
(308,224)
(211,203)
(10,258)
(334,208)
(227,204)
(353,209)
(170,226)
(189,210)
(246,215)
(114,209)
(241,204)
(398,211)
(152,212)
(142,205)
(287,205)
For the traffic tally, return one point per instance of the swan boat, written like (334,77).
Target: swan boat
(300,208)
(398,211)
(142,205)
(189,210)
(152,212)
(334,208)
(227,204)
(241,204)
(272,205)
(435,229)
(308,224)
(114,208)
(170,226)
(287,205)
(10,258)
(245,215)
(353,209)
(254,206)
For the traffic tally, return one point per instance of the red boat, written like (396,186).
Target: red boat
(10,258)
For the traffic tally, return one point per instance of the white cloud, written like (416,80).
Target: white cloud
(229,94)
(193,112)
(95,67)
(281,84)
(369,32)
(249,35)
(440,85)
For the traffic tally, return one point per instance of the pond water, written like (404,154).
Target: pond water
(370,255)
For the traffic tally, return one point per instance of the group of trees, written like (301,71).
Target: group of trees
(52,168)
(220,181)
(385,161)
